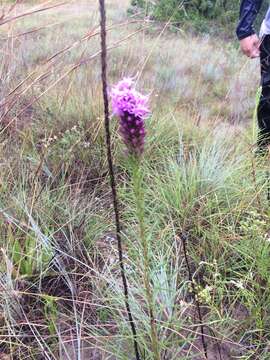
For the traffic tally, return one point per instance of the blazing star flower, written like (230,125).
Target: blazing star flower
(132,109)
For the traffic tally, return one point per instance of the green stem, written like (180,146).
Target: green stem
(139,199)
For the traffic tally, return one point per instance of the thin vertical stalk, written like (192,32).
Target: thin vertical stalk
(139,199)
(257,192)
(111,172)
(268,185)
(197,303)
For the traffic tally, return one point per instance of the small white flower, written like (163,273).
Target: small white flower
(239,284)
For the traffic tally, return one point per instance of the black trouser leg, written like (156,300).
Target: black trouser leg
(264,104)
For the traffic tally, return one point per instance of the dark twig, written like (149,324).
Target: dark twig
(184,238)
(111,171)
(268,185)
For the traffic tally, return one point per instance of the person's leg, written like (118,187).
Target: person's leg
(264,104)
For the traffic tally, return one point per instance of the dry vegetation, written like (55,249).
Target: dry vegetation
(60,288)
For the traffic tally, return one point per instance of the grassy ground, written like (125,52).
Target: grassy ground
(61,292)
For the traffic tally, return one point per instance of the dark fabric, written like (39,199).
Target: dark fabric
(248,12)
(264,104)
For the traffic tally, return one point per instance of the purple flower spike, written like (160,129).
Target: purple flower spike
(132,109)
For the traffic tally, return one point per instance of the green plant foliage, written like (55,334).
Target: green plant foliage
(28,255)
(200,14)
(50,310)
